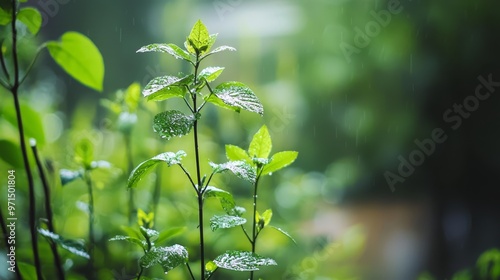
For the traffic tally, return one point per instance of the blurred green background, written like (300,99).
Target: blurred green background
(352,105)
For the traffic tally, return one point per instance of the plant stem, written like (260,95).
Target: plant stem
(88,181)
(198,174)
(31,188)
(254,224)
(48,212)
(130,167)
(190,271)
(140,273)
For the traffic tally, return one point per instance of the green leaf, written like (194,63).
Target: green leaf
(239,168)
(280,160)
(5,17)
(169,233)
(242,261)
(488,264)
(84,153)
(33,126)
(146,166)
(210,73)
(220,49)
(171,49)
(267,216)
(67,176)
(235,153)
(212,98)
(132,97)
(464,274)
(149,233)
(261,144)
(284,233)
(226,198)
(28,271)
(210,266)
(172,123)
(236,94)
(134,240)
(198,39)
(162,88)
(72,246)
(226,221)
(168,257)
(31,18)
(11,153)
(80,58)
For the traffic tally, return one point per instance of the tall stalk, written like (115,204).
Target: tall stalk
(14,89)
(48,212)
(255,233)
(130,167)
(88,182)
(199,188)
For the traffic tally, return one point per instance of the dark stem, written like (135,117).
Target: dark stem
(140,273)
(198,174)
(254,224)
(190,271)
(88,181)
(31,187)
(7,245)
(130,167)
(48,212)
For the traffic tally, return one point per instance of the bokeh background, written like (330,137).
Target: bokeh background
(353,105)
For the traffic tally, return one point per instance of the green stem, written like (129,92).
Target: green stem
(198,174)
(190,271)
(255,234)
(48,212)
(130,167)
(88,181)
(31,187)
(140,273)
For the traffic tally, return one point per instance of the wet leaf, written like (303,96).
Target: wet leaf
(226,221)
(242,261)
(236,94)
(162,88)
(171,49)
(239,168)
(226,198)
(235,153)
(67,176)
(279,160)
(210,73)
(168,257)
(144,167)
(134,240)
(172,123)
(72,246)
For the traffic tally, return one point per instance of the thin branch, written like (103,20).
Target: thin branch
(205,101)
(2,61)
(190,271)
(246,233)
(38,51)
(189,177)
(48,211)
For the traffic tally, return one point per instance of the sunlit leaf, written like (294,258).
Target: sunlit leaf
(212,98)
(169,233)
(168,257)
(172,123)
(149,233)
(261,145)
(242,261)
(162,88)
(226,221)
(80,58)
(220,49)
(171,49)
(267,216)
(143,168)
(235,153)
(134,240)
(72,246)
(210,73)
(31,18)
(279,160)
(236,94)
(132,97)
(210,266)
(239,168)
(226,198)
(284,233)
(198,39)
